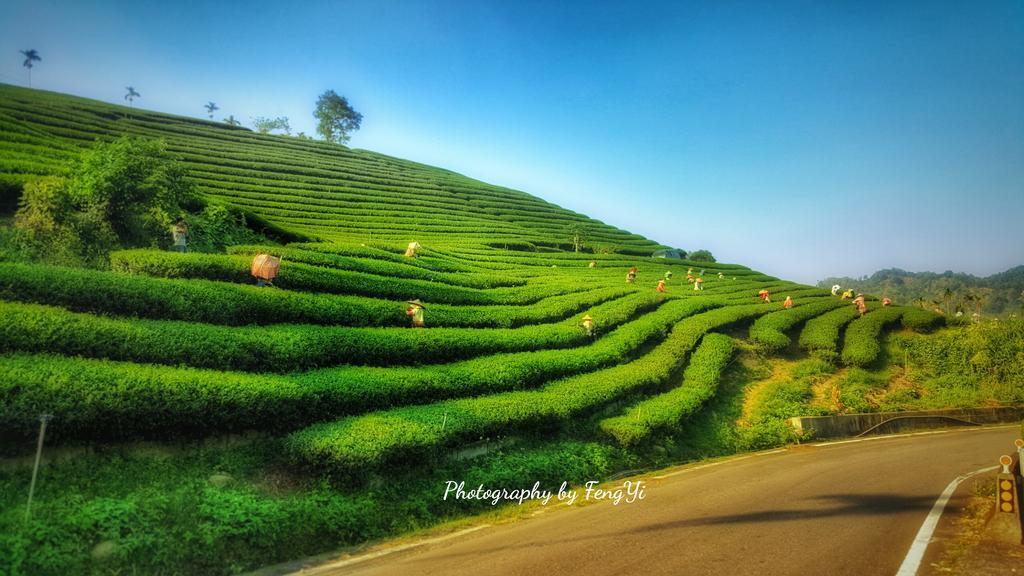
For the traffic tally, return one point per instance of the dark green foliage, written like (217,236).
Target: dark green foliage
(949,291)
(700,256)
(335,117)
(126,193)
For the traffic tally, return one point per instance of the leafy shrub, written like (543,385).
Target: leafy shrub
(235,304)
(102,399)
(124,193)
(665,410)
(280,348)
(820,335)
(363,442)
(769,331)
(381,267)
(304,277)
(860,344)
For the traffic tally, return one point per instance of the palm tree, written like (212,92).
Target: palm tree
(210,108)
(947,298)
(30,57)
(131,95)
(231,121)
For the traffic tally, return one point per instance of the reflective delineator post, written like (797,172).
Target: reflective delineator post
(1006,524)
(43,419)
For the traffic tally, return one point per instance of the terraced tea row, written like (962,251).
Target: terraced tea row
(101,399)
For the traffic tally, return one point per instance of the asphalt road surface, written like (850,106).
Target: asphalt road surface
(835,509)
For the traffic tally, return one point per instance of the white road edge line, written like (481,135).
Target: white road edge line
(916,553)
(370,556)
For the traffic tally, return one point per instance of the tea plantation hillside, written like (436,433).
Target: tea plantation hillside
(307,187)
(202,424)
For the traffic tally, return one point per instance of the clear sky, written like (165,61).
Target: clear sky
(804,139)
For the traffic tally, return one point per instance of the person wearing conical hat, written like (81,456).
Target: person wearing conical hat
(847,294)
(787,303)
(588,325)
(415,312)
(835,289)
(862,306)
(698,284)
(886,301)
(721,276)
(764,296)
(661,286)
(630,277)
(668,275)
(410,251)
(264,268)
(593,264)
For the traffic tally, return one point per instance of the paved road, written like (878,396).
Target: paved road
(849,508)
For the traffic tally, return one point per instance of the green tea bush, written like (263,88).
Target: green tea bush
(101,399)
(363,442)
(304,277)
(860,344)
(820,335)
(232,304)
(769,331)
(379,267)
(280,348)
(920,320)
(700,379)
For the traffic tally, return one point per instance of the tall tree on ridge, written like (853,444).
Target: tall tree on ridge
(131,96)
(31,56)
(335,117)
(210,108)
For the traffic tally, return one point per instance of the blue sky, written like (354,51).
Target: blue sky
(805,139)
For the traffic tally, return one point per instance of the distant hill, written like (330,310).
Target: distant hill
(951,291)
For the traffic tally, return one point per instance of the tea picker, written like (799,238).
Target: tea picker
(265,268)
(588,325)
(415,312)
(862,307)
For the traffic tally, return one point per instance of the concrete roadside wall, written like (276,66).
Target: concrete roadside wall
(887,422)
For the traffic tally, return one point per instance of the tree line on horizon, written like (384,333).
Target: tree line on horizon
(336,118)
(947,292)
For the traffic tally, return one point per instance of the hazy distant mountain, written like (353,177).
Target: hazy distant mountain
(950,291)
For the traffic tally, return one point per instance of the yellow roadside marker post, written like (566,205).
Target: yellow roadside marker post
(1006,524)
